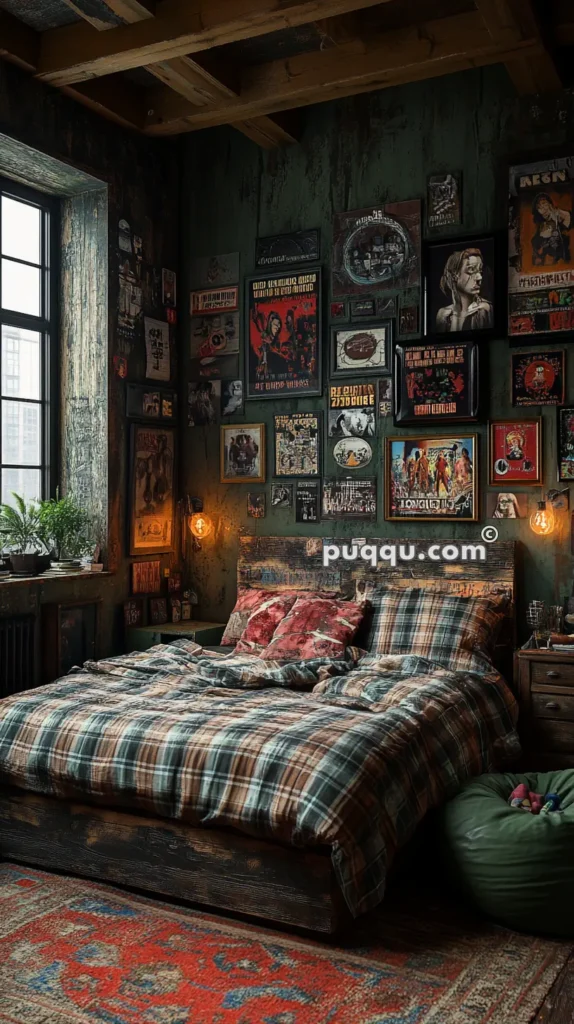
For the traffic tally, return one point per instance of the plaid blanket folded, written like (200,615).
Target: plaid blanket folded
(349,753)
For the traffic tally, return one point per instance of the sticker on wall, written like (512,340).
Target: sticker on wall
(352,453)
(506,505)
(203,402)
(444,199)
(157,349)
(307,501)
(121,366)
(215,271)
(168,287)
(282,495)
(256,504)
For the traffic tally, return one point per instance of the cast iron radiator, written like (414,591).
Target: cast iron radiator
(16,654)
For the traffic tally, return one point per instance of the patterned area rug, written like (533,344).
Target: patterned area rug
(74,952)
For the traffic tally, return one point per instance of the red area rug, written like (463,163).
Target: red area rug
(74,952)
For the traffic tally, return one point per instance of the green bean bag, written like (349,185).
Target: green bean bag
(515,866)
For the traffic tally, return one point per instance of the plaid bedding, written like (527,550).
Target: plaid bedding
(350,754)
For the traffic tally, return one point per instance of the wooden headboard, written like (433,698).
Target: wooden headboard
(296,563)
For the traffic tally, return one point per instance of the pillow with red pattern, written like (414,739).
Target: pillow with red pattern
(248,599)
(315,628)
(263,622)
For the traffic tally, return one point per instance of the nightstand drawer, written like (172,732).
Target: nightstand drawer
(553,736)
(548,672)
(553,705)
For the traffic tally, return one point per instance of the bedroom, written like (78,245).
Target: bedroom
(299,217)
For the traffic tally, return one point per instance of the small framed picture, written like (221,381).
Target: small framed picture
(148,403)
(308,501)
(297,444)
(361,308)
(174,582)
(361,350)
(256,504)
(537,378)
(203,402)
(352,410)
(158,611)
(515,451)
(175,609)
(232,397)
(352,453)
(444,199)
(430,478)
(146,577)
(242,454)
(338,310)
(462,286)
(565,423)
(350,499)
(436,381)
(506,505)
(408,320)
(282,495)
(385,396)
(133,613)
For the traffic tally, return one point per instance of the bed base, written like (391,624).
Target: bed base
(212,867)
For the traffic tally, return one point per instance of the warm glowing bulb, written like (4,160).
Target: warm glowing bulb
(542,521)
(201,525)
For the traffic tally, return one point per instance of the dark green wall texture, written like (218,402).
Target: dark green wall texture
(354,152)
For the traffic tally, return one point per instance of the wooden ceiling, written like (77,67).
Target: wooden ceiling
(174,66)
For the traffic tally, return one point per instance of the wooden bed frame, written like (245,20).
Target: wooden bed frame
(226,869)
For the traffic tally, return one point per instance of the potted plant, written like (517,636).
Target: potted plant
(20,526)
(64,528)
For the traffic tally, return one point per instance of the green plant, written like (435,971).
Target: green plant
(20,526)
(64,527)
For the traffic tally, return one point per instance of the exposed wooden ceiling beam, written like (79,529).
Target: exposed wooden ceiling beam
(18,43)
(438,47)
(75,53)
(113,97)
(509,20)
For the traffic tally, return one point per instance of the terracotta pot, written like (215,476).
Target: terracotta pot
(24,565)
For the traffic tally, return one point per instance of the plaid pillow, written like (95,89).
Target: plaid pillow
(455,631)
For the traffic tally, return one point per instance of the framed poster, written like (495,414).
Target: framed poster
(338,311)
(352,452)
(242,454)
(506,505)
(361,350)
(540,251)
(385,396)
(215,300)
(158,611)
(565,423)
(168,287)
(288,250)
(432,478)
(361,308)
(148,403)
(297,444)
(515,451)
(409,320)
(308,501)
(146,577)
(444,199)
(538,378)
(231,397)
(203,402)
(133,613)
(158,360)
(349,499)
(283,334)
(352,410)
(281,495)
(436,381)
(152,490)
(214,336)
(377,248)
(256,503)
(462,296)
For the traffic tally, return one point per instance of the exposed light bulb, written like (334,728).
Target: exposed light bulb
(201,525)
(543,520)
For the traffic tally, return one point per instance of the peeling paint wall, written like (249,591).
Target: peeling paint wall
(353,153)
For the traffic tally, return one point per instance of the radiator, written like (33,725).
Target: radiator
(17,646)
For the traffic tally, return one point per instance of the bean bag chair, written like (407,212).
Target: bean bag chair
(516,867)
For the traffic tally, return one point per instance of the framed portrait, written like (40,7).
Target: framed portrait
(242,454)
(281,495)
(506,505)
(349,499)
(232,397)
(361,350)
(462,293)
(288,250)
(541,248)
(256,504)
(146,577)
(515,451)
(308,501)
(565,424)
(436,381)
(152,490)
(149,403)
(432,478)
(444,206)
(352,410)
(283,334)
(297,444)
(538,378)
(352,452)
(377,249)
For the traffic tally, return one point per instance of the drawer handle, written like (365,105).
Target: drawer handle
(553,675)
(552,706)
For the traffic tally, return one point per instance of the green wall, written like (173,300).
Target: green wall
(354,153)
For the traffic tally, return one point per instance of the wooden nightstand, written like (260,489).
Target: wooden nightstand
(140,638)
(545,684)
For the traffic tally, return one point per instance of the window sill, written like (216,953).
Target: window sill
(10,580)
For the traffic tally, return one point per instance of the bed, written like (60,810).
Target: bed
(281,791)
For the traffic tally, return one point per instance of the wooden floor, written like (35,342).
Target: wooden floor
(558,1007)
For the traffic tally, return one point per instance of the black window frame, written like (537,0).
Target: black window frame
(47,325)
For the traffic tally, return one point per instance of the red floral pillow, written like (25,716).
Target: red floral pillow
(248,600)
(263,622)
(315,628)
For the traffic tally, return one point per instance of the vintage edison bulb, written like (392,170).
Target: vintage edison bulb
(201,525)
(542,521)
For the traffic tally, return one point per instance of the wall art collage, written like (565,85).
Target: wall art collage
(394,333)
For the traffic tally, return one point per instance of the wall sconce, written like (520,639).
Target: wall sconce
(543,520)
(201,525)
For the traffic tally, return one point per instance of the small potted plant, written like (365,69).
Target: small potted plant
(64,529)
(20,527)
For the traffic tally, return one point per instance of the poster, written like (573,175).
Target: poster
(352,410)
(215,271)
(281,495)
(436,381)
(352,453)
(461,278)
(283,331)
(565,419)
(152,489)
(385,396)
(431,478)
(506,505)
(515,454)
(541,256)
(443,199)
(157,349)
(146,577)
(538,378)
(307,501)
(256,504)
(242,453)
(350,499)
(215,345)
(168,287)
(215,300)
(231,397)
(288,250)
(130,298)
(297,444)
(203,402)
(377,248)
(361,349)
(148,403)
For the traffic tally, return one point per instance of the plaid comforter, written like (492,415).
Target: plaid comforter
(350,754)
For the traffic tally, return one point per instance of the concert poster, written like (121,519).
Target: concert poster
(283,332)
(538,378)
(436,381)
(541,248)
(432,478)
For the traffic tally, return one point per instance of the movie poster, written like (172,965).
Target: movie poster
(152,506)
(378,248)
(297,444)
(541,256)
(436,381)
(350,499)
(352,410)
(283,331)
(430,478)
(538,378)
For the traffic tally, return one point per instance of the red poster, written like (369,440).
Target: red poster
(515,452)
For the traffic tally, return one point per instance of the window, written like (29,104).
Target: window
(28,349)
